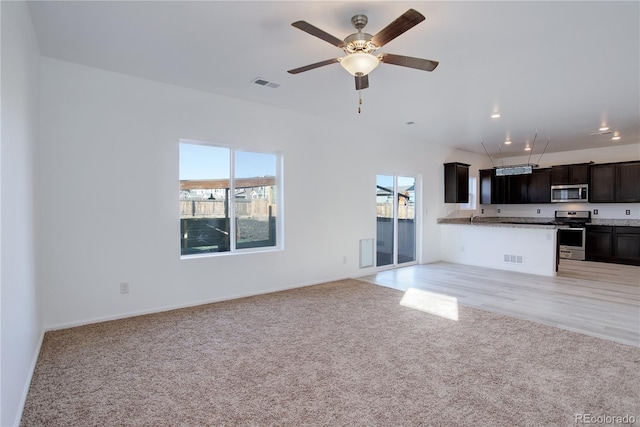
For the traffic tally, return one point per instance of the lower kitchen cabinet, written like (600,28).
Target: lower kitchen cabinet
(626,245)
(599,243)
(619,245)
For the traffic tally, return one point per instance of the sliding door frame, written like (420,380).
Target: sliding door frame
(417,221)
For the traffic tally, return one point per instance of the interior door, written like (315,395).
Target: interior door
(395,220)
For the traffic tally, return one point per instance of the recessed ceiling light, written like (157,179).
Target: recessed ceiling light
(507,142)
(603,128)
(616,136)
(527,148)
(495,115)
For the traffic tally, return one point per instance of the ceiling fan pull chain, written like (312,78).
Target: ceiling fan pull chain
(359,100)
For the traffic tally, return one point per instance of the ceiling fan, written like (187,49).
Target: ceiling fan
(359,47)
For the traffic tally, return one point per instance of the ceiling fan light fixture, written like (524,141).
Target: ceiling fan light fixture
(359,63)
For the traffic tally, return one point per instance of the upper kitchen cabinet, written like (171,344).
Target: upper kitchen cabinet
(602,183)
(515,189)
(539,186)
(628,182)
(615,183)
(570,174)
(491,187)
(456,182)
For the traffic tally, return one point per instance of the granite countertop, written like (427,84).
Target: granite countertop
(513,222)
(504,221)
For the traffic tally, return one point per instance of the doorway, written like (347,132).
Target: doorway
(395,220)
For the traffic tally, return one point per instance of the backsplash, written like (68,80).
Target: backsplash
(598,210)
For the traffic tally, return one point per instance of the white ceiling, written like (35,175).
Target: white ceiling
(559,68)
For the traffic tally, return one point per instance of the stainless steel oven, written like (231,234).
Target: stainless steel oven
(572,237)
(571,242)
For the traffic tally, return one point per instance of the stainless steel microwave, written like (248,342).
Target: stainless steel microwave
(570,193)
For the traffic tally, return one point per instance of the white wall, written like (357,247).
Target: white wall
(108,187)
(21,321)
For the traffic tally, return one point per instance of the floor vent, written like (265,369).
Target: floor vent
(514,259)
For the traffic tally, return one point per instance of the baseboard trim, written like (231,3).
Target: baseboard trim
(27,386)
(90,321)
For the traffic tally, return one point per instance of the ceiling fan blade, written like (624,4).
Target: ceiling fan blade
(312,66)
(405,22)
(408,61)
(315,31)
(362,82)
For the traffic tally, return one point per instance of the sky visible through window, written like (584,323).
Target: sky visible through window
(210,162)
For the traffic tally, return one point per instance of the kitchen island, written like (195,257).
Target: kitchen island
(526,245)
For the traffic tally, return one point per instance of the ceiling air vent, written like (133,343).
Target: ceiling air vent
(263,82)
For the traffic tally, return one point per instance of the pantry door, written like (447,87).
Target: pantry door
(395,220)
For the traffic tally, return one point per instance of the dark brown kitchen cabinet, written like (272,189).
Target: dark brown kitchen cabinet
(492,187)
(456,182)
(539,186)
(626,245)
(620,245)
(602,185)
(628,182)
(615,183)
(515,189)
(570,174)
(598,243)
(488,193)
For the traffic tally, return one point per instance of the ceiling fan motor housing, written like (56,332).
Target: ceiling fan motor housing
(359,42)
(359,21)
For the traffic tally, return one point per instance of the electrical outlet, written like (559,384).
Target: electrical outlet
(595,211)
(498,210)
(537,210)
(124,288)
(627,212)
(482,210)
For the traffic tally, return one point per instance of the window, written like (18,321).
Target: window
(471,206)
(229,199)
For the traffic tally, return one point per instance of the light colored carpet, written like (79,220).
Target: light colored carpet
(341,353)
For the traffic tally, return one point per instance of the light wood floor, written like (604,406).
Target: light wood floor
(592,298)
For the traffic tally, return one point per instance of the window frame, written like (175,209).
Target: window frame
(279,199)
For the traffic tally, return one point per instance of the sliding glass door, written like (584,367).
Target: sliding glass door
(395,219)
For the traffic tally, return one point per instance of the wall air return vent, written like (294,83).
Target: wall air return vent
(514,259)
